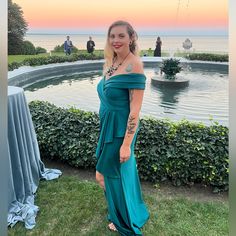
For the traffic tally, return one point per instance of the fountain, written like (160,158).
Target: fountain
(170,67)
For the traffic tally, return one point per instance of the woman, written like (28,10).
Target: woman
(157,51)
(121,93)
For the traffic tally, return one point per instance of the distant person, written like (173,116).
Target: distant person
(68,45)
(157,51)
(187,44)
(90,45)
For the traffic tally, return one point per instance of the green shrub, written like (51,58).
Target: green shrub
(170,67)
(208,57)
(39,50)
(183,152)
(66,134)
(27,48)
(60,48)
(14,65)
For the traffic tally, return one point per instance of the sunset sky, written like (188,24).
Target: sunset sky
(202,16)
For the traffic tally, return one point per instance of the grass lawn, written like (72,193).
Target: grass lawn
(20,58)
(71,206)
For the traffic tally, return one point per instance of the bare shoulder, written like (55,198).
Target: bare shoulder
(134,65)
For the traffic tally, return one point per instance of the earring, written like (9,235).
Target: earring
(130,42)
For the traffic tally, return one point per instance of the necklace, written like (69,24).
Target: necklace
(113,68)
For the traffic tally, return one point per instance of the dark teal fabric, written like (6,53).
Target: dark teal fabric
(114,107)
(123,193)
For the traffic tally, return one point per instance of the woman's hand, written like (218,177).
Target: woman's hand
(124,153)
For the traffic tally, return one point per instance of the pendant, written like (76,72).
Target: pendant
(111,70)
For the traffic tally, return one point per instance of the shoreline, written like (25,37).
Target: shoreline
(171,43)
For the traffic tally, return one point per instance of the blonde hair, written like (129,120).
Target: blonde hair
(109,54)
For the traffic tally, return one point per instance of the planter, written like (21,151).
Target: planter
(179,82)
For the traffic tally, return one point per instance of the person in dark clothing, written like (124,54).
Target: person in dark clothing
(68,46)
(157,51)
(90,45)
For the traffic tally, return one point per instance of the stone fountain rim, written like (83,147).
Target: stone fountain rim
(27,69)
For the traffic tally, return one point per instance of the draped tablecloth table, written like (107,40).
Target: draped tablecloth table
(26,167)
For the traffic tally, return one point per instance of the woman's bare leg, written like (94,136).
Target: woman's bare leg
(100,180)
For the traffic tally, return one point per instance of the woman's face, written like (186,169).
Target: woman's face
(119,39)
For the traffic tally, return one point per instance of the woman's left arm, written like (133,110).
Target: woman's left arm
(136,98)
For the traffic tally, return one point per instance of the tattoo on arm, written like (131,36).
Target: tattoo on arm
(131,125)
(131,120)
(129,68)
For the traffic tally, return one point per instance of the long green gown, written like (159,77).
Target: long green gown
(126,208)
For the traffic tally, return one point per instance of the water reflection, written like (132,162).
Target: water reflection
(59,80)
(207,94)
(169,96)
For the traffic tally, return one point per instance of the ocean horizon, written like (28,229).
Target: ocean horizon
(170,43)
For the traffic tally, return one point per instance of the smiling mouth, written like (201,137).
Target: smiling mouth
(117,46)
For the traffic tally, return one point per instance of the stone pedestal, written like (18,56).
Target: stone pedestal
(179,82)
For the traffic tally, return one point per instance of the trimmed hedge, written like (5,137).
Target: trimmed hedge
(183,152)
(66,134)
(14,65)
(208,57)
(37,61)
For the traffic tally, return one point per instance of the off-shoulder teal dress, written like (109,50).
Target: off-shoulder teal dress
(126,208)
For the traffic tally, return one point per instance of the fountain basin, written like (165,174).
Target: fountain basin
(74,84)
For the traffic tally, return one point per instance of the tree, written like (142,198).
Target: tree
(17,27)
